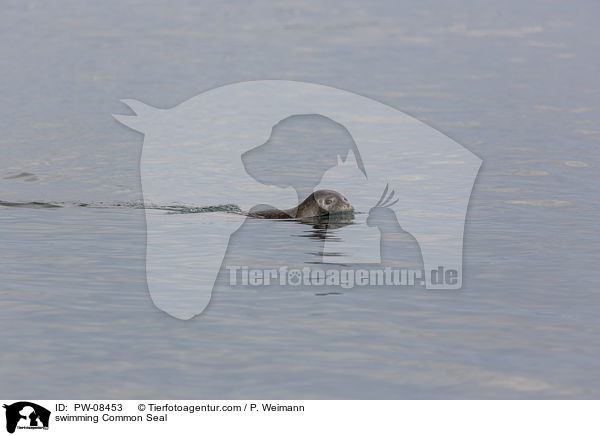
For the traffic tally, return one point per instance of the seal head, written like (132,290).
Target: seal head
(319,203)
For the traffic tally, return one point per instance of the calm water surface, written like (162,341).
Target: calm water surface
(514,83)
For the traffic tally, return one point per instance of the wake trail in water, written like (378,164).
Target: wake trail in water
(29,205)
(174,208)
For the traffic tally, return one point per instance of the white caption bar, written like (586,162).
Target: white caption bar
(151,417)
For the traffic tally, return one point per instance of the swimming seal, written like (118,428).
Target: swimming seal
(319,203)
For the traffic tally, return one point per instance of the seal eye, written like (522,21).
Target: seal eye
(328,201)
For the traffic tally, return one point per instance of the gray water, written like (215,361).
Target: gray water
(515,83)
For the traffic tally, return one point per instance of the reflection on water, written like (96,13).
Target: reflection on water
(329,222)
